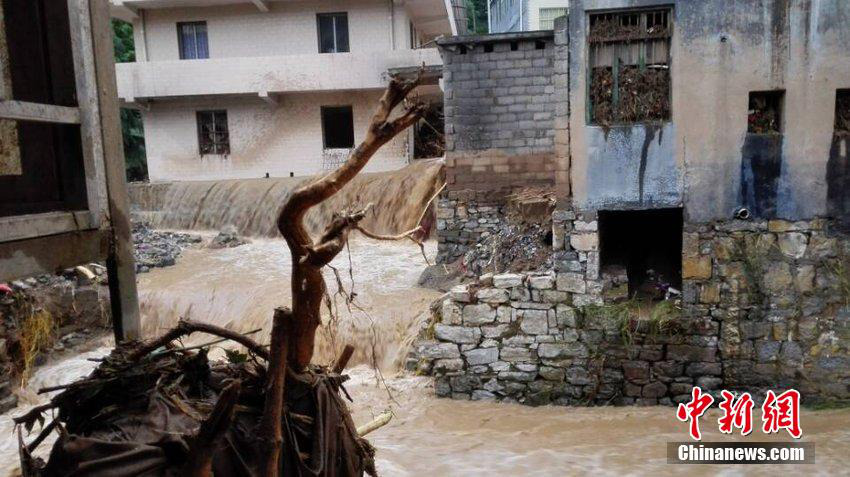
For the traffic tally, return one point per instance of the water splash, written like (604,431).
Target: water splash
(399,200)
(238,288)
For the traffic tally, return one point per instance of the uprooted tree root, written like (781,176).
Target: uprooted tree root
(156,409)
(161,409)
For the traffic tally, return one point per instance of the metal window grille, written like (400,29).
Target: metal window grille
(548,16)
(213,137)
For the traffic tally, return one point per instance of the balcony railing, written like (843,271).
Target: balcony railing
(272,74)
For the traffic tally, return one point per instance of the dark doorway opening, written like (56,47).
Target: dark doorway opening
(647,246)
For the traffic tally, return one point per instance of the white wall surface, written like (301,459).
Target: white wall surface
(263,138)
(289,28)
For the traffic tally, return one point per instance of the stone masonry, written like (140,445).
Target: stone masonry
(764,305)
(463,218)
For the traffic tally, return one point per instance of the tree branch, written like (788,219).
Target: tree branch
(334,238)
(409,234)
(271,435)
(34,414)
(377,135)
(342,361)
(186,327)
(308,257)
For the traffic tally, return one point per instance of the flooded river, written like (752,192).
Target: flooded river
(239,288)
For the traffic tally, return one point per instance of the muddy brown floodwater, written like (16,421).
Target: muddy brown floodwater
(239,287)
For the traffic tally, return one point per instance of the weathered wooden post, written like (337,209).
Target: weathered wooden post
(63,198)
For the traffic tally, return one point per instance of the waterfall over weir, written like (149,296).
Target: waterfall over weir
(399,200)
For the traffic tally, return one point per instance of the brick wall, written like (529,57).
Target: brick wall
(500,105)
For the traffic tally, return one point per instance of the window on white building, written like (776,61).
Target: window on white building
(213,137)
(337,127)
(548,16)
(192,40)
(333,32)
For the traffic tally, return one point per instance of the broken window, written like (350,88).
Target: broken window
(629,67)
(213,137)
(338,127)
(192,40)
(333,32)
(842,112)
(548,16)
(641,252)
(765,112)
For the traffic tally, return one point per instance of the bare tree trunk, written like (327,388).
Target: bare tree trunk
(270,426)
(308,257)
(293,335)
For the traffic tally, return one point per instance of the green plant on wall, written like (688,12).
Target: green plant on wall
(752,252)
(840,269)
(636,317)
(131,120)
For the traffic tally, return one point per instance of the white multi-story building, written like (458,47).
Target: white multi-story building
(246,88)
(524,15)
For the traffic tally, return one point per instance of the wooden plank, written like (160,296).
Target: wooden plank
(86,82)
(37,112)
(26,258)
(37,225)
(120,263)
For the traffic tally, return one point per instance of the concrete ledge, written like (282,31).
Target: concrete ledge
(496,37)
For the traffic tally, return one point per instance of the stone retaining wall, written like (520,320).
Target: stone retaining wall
(764,305)
(463,218)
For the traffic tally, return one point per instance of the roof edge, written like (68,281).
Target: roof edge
(496,37)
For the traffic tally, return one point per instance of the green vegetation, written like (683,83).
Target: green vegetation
(476,16)
(131,120)
(753,252)
(633,317)
(840,268)
(37,331)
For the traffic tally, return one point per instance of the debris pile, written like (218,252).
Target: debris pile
(165,410)
(625,27)
(513,247)
(228,237)
(155,248)
(602,95)
(764,113)
(643,94)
